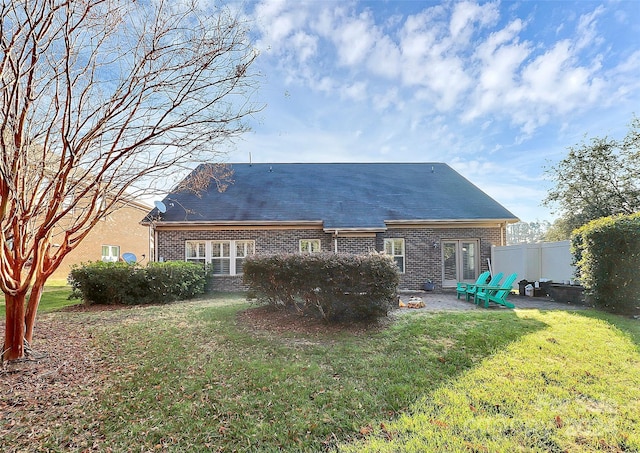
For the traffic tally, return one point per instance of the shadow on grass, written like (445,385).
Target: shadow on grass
(222,385)
(569,384)
(186,376)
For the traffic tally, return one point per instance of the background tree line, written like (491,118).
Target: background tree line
(598,178)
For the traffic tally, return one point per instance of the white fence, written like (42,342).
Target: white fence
(533,262)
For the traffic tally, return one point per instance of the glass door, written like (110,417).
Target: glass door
(460,261)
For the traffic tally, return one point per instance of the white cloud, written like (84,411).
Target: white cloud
(466,13)
(356,91)
(276,23)
(500,57)
(305,45)
(587,34)
(553,79)
(325,84)
(452,58)
(385,59)
(429,61)
(486,49)
(387,99)
(354,39)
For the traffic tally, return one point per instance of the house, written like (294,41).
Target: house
(436,224)
(112,237)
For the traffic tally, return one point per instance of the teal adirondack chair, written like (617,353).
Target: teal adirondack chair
(461,287)
(496,294)
(473,289)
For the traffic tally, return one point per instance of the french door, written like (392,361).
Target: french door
(460,261)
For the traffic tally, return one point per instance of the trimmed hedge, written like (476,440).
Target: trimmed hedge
(130,284)
(334,287)
(607,254)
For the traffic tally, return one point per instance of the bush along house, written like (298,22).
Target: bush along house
(437,225)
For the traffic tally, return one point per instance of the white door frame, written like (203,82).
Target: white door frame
(463,270)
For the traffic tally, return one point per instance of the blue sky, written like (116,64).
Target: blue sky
(497,90)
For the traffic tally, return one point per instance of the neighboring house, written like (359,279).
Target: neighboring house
(435,223)
(118,233)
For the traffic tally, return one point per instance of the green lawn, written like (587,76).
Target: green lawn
(54,297)
(190,377)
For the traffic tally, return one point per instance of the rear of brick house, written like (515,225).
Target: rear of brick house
(436,224)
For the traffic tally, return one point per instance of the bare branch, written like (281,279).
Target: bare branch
(101,99)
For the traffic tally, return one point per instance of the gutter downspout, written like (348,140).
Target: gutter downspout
(155,245)
(150,255)
(335,241)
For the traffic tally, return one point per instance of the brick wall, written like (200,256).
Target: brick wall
(171,246)
(121,228)
(422,259)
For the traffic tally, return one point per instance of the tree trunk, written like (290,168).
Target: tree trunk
(14,328)
(32,308)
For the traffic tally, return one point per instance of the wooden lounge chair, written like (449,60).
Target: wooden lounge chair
(496,294)
(461,287)
(495,281)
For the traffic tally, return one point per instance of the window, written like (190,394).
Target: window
(221,257)
(243,249)
(225,257)
(110,253)
(395,248)
(196,252)
(309,245)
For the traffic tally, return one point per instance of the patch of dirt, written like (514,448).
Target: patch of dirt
(269,319)
(49,390)
(97,307)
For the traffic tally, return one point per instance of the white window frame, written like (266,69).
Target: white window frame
(242,249)
(200,249)
(391,246)
(219,246)
(310,246)
(110,257)
(231,252)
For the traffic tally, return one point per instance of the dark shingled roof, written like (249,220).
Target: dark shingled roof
(340,195)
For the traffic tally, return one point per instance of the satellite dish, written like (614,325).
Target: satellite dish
(129,257)
(160,206)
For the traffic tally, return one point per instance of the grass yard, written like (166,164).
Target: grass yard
(195,377)
(54,297)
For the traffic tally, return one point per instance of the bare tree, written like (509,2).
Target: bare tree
(101,100)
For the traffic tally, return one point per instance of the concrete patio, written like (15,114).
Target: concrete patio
(447,300)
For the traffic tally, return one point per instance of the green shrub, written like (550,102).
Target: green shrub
(174,280)
(102,283)
(607,254)
(335,287)
(130,284)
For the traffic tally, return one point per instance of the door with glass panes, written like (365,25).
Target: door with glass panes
(460,261)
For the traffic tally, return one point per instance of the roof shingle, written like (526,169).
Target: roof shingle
(340,195)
